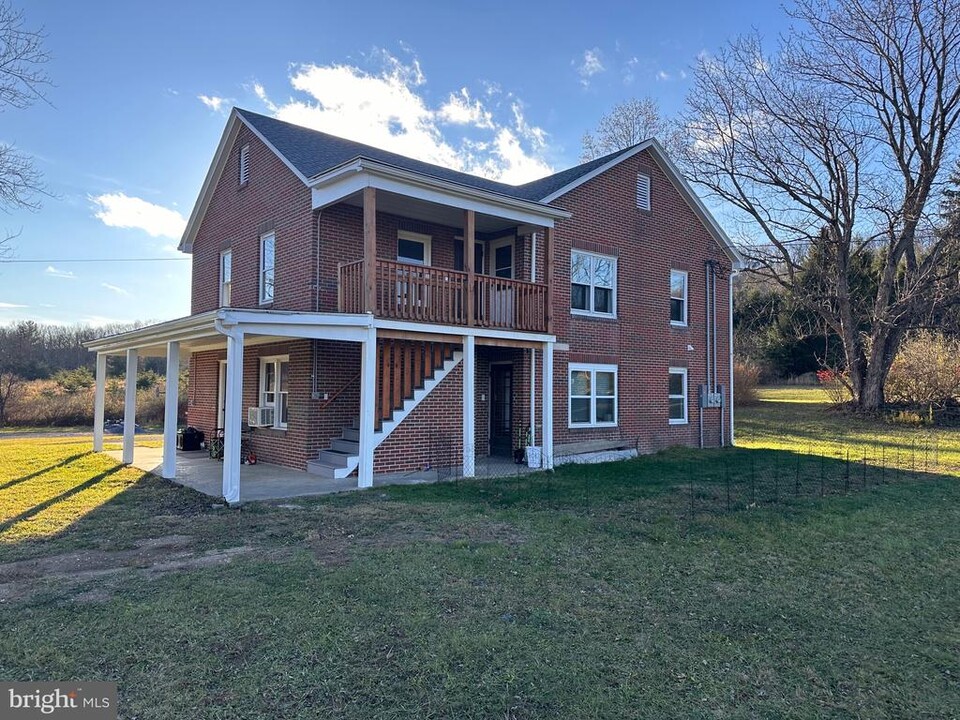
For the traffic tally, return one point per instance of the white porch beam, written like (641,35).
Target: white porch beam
(368,404)
(99,396)
(233,410)
(170,406)
(548,406)
(469,406)
(130,406)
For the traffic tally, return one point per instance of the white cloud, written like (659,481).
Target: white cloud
(57,272)
(122,211)
(388,108)
(10,306)
(460,110)
(215,103)
(115,289)
(663,75)
(590,65)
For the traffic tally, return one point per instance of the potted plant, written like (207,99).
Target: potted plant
(519,448)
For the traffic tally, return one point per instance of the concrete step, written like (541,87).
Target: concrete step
(351,434)
(324,470)
(351,447)
(335,458)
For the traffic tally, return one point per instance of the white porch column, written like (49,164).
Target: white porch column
(171,404)
(99,395)
(548,406)
(130,406)
(533,398)
(233,412)
(368,407)
(469,406)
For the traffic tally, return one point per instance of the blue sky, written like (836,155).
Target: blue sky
(141,92)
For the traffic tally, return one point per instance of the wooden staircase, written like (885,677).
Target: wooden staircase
(407,371)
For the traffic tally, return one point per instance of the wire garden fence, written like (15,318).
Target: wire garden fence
(692,484)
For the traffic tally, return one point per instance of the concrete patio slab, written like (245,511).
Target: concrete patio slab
(265,481)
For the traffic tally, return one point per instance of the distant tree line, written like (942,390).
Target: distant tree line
(34,351)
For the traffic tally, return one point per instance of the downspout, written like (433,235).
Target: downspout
(701,400)
(733,272)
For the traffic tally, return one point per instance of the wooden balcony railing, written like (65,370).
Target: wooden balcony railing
(428,294)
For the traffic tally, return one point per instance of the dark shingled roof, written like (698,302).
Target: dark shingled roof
(313,152)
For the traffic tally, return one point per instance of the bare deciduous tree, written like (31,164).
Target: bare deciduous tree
(11,390)
(628,123)
(22,80)
(834,147)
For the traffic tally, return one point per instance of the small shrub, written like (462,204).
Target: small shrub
(926,371)
(73,380)
(746,378)
(835,384)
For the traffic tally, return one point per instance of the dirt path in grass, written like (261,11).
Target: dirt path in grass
(151,557)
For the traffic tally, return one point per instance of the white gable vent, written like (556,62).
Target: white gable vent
(244,164)
(643,191)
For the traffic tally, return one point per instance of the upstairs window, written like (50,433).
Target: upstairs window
(274,387)
(678,297)
(226,277)
(413,248)
(643,191)
(593,284)
(244,164)
(268,248)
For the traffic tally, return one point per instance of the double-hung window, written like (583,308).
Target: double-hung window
(593,284)
(274,387)
(593,395)
(268,251)
(677,396)
(226,277)
(678,297)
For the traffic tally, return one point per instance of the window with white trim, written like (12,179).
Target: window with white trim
(226,277)
(593,284)
(268,251)
(274,387)
(678,297)
(413,248)
(593,395)
(244,164)
(677,396)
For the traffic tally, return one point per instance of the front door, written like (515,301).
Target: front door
(501,394)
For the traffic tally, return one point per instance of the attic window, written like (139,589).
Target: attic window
(244,164)
(643,191)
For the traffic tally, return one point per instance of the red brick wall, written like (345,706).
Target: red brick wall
(641,340)
(237,215)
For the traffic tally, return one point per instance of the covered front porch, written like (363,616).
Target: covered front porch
(265,481)
(233,330)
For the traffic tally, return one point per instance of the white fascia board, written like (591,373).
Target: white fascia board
(306,332)
(347,179)
(229,317)
(461,331)
(676,177)
(187,328)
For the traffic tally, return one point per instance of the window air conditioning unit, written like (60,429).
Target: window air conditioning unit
(260,417)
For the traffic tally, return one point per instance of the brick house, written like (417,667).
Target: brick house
(354,310)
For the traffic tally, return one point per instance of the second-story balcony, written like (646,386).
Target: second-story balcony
(419,293)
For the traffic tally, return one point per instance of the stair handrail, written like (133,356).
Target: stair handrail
(338,393)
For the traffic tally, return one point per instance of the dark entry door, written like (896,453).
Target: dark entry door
(501,393)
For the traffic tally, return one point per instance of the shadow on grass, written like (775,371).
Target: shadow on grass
(49,502)
(62,463)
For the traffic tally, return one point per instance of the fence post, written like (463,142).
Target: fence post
(753,481)
(846,473)
(796,478)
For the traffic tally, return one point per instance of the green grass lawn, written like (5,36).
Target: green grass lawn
(596,592)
